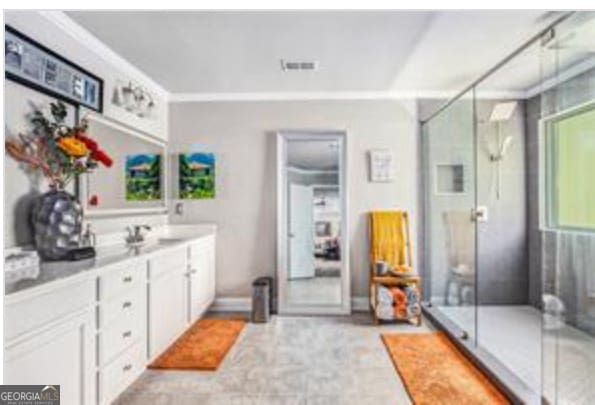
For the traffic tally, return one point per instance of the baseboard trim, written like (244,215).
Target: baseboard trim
(244,304)
(231,304)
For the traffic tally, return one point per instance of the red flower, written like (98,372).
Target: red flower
(102,157)
(94,200)
(89,143)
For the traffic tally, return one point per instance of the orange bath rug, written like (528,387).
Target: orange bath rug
(435,372)
(202,347)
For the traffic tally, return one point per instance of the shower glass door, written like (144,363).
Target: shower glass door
(567,197)
(508,318)
(450,227)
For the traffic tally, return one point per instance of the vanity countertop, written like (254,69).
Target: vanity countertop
(69,271)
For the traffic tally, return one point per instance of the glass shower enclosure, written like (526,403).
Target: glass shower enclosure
(509,226)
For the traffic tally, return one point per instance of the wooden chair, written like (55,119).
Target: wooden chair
(399,253)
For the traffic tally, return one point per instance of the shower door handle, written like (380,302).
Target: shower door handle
(479,213)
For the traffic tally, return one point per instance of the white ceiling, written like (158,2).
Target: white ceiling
(357,51)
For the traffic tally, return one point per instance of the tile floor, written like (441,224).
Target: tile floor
(291,360)
(513,334)
(314,291)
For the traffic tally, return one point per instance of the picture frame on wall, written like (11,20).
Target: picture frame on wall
(31,64)
(382,166)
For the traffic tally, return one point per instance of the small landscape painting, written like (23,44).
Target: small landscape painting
(143,177)
(197,175)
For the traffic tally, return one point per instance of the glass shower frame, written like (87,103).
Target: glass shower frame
(469,338)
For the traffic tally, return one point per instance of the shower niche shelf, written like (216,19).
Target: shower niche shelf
(450,179)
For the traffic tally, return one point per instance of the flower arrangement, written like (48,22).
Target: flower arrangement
(60,152)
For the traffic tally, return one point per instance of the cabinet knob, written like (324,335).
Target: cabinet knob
(127,279)
(127,304)
(127,334)
(127,367)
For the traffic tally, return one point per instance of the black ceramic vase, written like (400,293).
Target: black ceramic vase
(57,224)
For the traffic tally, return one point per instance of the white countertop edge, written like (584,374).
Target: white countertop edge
(100,269)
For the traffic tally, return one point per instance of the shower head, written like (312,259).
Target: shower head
(505,145)
(503,111)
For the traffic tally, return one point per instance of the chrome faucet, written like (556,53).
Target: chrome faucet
(135,234)
(88,238)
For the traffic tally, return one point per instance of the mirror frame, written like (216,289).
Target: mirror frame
(285,307)
(83,181)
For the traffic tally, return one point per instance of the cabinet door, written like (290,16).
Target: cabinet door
(167,309)
(198,280)
(61,353)
(211,271)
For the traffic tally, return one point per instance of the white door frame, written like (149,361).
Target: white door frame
(286,308)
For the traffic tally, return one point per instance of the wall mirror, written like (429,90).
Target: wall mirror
(313,269)
(136,182)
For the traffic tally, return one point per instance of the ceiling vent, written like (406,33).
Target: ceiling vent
(290,65)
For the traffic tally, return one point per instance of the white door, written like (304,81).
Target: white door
(301,232)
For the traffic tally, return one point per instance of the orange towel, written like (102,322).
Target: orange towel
(400,303)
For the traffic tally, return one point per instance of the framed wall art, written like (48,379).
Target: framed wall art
(382,166)
(143,177)
(32,64)
(197,175)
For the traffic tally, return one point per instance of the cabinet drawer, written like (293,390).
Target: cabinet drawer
(172,260)
(24,315)
(121,278)
(117,375)
(120,334)
(129,304)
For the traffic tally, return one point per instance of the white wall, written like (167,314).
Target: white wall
(50,30)
(242,135)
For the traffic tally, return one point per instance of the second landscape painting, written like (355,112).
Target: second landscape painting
(197,175)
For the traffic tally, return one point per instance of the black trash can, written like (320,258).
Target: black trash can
(261,299)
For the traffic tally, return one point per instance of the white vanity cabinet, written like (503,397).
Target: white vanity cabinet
(167,298)
(94,327)
(50,339)
(201,276)
(121,326)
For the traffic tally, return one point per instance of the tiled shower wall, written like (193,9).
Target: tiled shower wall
(502,240)
(564,260)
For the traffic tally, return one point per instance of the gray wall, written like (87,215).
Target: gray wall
(242,135)
(557,262)
(502,240)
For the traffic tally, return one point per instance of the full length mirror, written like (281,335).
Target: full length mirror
(312,201)
(135,183)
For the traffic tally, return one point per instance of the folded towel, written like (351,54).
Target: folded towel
(384,295)
(384,312)
(399,296)
(412,294)
(413,309)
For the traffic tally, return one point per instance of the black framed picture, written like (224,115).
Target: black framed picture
(32,64)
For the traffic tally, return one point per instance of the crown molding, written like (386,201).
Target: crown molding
(306,96)
(96,46)
(332,95)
